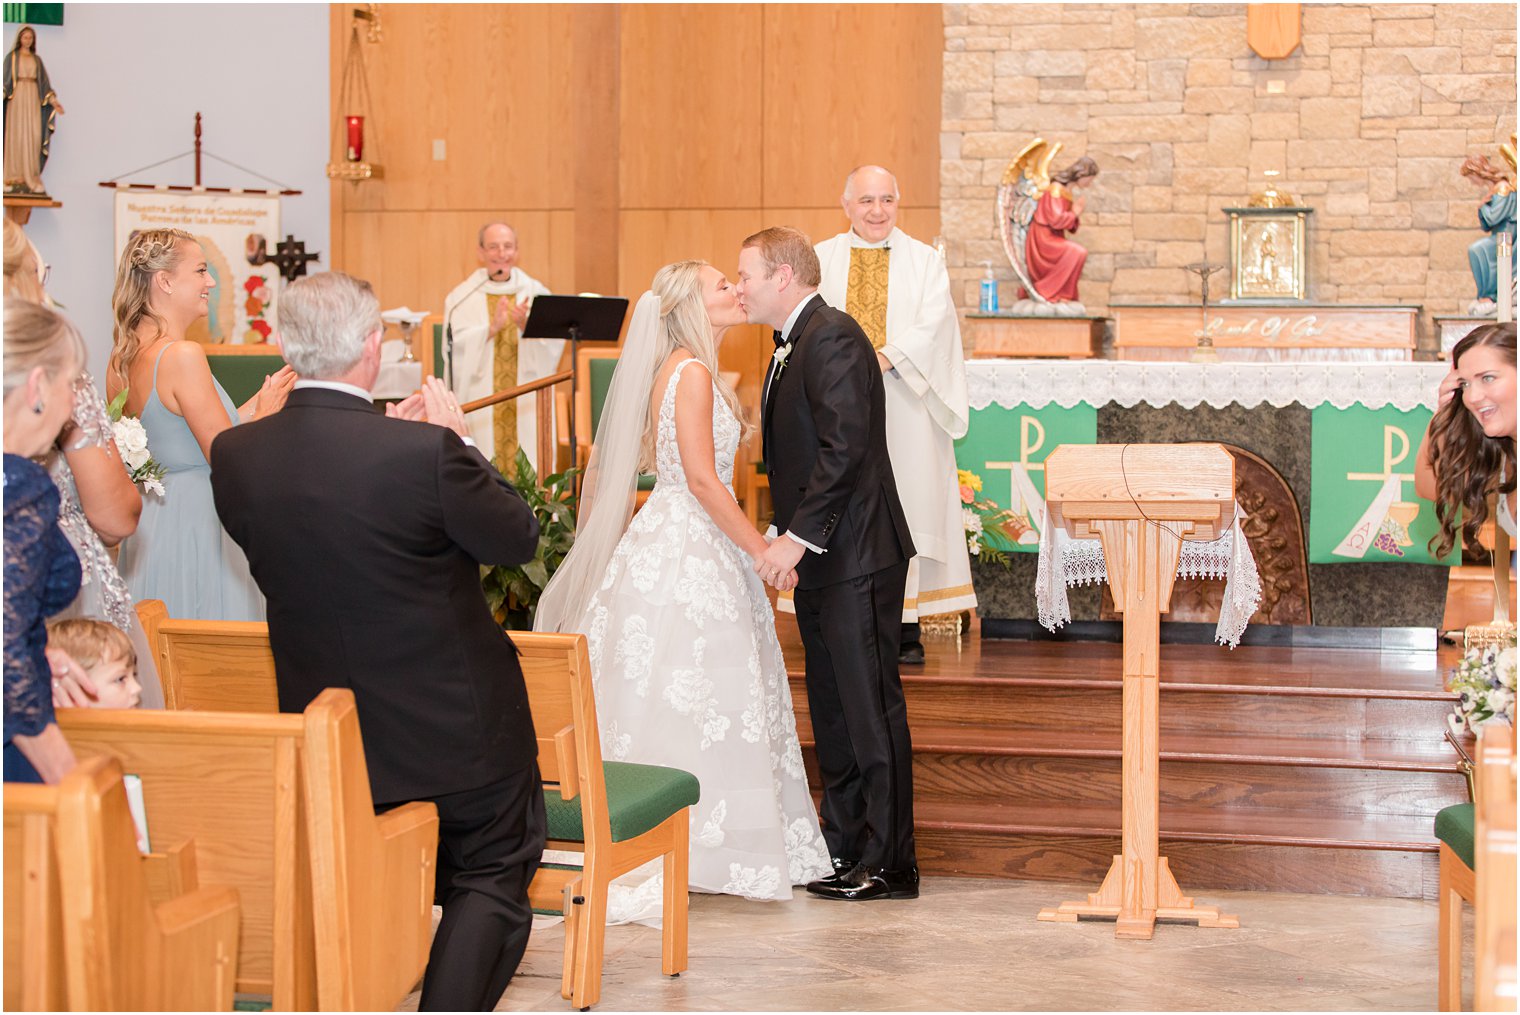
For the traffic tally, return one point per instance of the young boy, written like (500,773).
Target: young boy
(106,654)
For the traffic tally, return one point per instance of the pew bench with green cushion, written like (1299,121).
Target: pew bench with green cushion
(1456,829)
(601,370)
(639,798)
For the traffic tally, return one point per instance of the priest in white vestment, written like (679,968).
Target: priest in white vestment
(486,313)
(898,290)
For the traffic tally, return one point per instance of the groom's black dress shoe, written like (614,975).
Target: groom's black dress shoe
(866,883)
(841,869)
(912,653)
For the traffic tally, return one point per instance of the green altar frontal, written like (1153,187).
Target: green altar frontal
(1341,539)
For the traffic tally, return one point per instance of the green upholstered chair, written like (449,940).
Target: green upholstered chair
(619,816)
(598,381)
(1455,828)
(242,373)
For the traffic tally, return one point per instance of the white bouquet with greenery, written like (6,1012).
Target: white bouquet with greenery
(132,444)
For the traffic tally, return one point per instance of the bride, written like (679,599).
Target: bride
(685,664)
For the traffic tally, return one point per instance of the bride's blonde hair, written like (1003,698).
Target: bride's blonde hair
(684,324)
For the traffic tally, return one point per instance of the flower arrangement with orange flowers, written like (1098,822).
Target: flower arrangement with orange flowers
(991,531)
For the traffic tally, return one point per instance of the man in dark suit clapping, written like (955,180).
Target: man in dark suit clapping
(365,531)
(840,524)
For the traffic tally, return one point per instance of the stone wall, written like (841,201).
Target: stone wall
(1368,121)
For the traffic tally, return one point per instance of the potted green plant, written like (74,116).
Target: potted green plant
(513,592)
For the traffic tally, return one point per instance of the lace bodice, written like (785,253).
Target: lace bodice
(667,454)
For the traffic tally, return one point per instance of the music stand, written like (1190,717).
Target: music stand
(580,319)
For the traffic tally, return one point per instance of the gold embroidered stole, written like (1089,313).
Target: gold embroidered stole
(866,293)
(503,376)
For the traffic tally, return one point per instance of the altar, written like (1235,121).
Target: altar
(1324,476)
(1263,331)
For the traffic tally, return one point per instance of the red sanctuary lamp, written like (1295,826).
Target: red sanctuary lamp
(355,151)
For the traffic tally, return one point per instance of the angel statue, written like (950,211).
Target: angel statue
(1036,209)
(31,111)
(1496,214)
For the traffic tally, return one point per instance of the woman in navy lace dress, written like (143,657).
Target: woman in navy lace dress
(43,358)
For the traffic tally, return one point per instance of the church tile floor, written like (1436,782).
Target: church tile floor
(971,944)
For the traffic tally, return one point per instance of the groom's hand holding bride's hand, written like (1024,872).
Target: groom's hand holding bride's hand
(777,566)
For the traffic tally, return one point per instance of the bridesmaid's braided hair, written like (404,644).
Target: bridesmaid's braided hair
(148,252)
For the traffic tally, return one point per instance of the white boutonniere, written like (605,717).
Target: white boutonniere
(780,357)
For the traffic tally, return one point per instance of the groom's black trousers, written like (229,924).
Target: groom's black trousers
(852,631)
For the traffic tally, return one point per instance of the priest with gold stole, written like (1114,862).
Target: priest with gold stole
(898,290)
(486,313)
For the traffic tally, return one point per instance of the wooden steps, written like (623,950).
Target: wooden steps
(1290,769)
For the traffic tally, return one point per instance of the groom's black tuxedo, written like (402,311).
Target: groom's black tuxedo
(825,447)
(365,534)
(826,451)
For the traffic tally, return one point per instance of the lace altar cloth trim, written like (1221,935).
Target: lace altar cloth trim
(1228,557)
(1038,383)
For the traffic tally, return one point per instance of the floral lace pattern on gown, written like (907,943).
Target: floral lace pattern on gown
(688,673)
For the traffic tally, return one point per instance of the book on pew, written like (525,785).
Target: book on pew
(133,785)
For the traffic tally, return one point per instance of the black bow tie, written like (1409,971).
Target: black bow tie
(776,337)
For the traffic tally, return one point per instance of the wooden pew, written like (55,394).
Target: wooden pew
(372,946)
(81,931)
(214,665)
(1494,849)
(232,783)
(239,784)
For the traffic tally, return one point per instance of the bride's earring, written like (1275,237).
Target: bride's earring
(37,407)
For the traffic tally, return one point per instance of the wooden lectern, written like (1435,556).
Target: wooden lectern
(1141,500)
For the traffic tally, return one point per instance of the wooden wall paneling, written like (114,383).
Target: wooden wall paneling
(652,239)
(596,137)
(690,101)
(415,257)
(483,78)
(847,84)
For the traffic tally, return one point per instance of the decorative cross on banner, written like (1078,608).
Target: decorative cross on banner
(1391,435)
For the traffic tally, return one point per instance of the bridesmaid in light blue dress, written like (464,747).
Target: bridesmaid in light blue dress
(180,553)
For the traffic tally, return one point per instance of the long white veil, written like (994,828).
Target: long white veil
(612,475)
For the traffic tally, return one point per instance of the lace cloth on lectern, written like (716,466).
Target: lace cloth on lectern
(1081,563)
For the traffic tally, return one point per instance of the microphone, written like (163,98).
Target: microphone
(448,328)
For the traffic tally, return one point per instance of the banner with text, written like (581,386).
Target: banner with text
(236,232)
(1362,501)
(1006,450)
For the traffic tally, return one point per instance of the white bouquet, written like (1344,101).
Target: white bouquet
(132,445)
(1484,682)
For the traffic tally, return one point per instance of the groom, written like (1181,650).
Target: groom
(843,530)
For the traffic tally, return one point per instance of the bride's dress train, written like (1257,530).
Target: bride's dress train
(688,673)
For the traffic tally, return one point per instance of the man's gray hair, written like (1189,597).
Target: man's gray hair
(849,181)
(324,320)
(480,237)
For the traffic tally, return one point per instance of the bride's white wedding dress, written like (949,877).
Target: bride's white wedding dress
(688,673)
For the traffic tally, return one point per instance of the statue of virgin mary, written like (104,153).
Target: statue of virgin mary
(31,113)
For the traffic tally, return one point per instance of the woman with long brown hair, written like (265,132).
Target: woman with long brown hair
(179,553)
(1468,454)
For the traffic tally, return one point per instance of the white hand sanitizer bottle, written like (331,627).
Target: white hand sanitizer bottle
(989,301)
